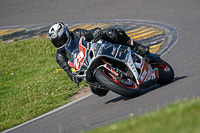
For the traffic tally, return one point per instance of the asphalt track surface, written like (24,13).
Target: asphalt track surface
(93,111)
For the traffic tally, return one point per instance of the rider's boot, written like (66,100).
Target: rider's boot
(138,48)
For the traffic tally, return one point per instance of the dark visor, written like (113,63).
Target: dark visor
(60,41)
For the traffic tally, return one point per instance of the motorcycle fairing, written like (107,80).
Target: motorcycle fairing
(77,62)
(90,53)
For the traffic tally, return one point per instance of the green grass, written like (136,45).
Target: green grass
(31,82)
(181,117)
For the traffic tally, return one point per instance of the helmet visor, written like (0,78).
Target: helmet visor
(60,41)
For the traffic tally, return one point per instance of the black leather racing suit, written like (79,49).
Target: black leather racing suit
(115,36)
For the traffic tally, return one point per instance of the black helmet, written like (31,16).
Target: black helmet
(59,35)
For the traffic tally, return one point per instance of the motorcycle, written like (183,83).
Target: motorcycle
(118,68)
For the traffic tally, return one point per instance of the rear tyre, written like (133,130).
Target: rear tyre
(166,73)
(125,87)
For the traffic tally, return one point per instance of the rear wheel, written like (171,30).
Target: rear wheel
(122,86)
(166,73)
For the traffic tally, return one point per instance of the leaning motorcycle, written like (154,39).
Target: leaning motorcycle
(118,68)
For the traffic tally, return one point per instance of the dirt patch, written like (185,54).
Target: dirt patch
(81,93)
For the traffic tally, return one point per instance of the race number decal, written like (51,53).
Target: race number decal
(144,73)
(80,57)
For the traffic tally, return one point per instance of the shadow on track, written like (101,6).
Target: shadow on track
(144,91)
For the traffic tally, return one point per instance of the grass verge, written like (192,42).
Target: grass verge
(177,118)
(31,82)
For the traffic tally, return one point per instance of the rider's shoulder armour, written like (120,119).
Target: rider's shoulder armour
(78,33)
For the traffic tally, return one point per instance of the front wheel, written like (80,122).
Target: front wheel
(125,87)
(166,73)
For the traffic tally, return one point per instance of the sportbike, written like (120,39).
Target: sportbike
(118,68)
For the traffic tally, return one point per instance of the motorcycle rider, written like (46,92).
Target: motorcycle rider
(64,39)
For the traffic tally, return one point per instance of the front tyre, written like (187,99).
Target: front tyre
(125,87)
(166,73)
